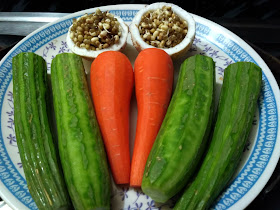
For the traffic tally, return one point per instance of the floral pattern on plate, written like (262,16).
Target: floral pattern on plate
(211,40)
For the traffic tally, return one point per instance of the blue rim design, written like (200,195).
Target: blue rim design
(248,176)
(267,131)
(18,186)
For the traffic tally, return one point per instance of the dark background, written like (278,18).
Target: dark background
(255,21)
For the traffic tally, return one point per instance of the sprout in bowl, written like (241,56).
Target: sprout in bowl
(163,25)
(92,34)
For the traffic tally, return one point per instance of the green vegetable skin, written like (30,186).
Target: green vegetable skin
(80,144)
(238,101)
(184,131)
(35,142)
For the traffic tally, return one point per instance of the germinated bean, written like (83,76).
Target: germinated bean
(95,31)
(162,24)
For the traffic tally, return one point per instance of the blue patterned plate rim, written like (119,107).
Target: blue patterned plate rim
(265,154)
(259,156)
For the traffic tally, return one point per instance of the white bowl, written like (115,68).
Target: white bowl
(91,54)
(174,52)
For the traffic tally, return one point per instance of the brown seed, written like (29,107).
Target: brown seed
(164,27)
(97,43)
(153,38)
(162,43)
(103,33)
(92,29)
(80,38)
(106,45)
(100,25)
(106,26)
(86,41)
(144,25)
(155,34)
(93,33)
(79,28)
(72,35)
(89,20)
(160,36)
(166,22)
(168,43)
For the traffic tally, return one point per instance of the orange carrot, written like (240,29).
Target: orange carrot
(153,69)
(112,82)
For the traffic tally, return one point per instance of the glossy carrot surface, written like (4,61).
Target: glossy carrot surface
(153,71)
(112,82)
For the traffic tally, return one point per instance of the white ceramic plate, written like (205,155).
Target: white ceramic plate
(262,150)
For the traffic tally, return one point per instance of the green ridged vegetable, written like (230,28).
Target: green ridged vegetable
(80,144)
(238,100)
(34,139)
(184,132)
